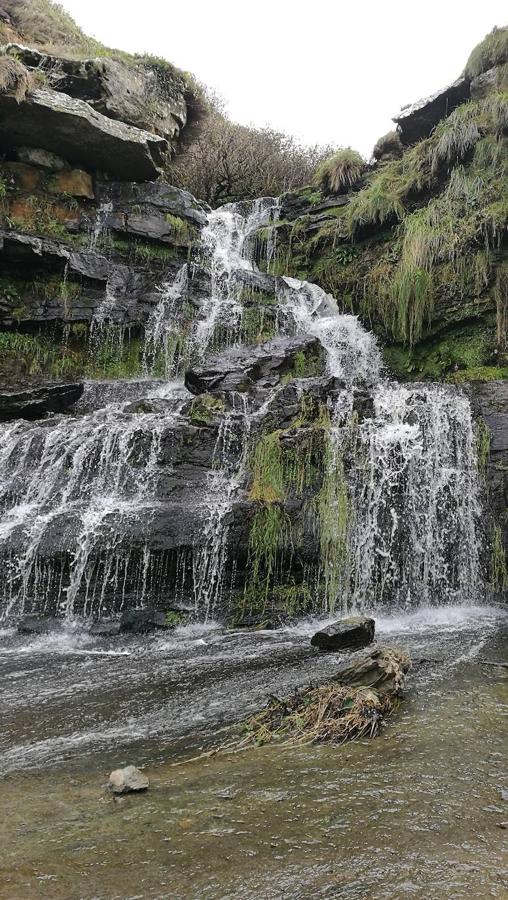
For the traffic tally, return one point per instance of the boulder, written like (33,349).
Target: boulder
(263,365)
(141,621)
(128,781)
(43,159)
(388,147)
(83,136)
(35,402)
(488,82)
(106,628)
(346,634)
(417,120)
(141,93)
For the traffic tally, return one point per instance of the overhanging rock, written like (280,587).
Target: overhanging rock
(419,119)
(80,134)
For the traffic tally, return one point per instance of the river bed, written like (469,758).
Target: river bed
(417,812)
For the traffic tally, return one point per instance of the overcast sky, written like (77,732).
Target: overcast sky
(327,71)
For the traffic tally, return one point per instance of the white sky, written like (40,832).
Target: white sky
(324,70)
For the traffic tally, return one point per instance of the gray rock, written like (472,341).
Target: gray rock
(141,621)
(43,159)
(34,403)
(39,624)
(417,120)
(72,129)
(346,634)
(128,781)
(263,365)
(105,628)
(488,82)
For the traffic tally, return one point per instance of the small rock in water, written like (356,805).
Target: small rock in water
(39,624)
(139,621)
(504,795)
(105,628)
(347,634)
(128,780)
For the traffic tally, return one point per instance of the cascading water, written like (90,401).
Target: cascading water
(81,482)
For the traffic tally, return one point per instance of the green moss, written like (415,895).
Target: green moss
(481,373)
(204,409)
(449,355)
(142,251)
(267,469)
(258,325)
(180,228)
(333,509)
(173,619)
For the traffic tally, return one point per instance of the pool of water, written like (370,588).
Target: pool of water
(416,812)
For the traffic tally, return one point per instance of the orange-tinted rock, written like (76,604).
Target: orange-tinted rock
(22,176)
(75,182)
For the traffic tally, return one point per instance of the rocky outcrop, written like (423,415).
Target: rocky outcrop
(34,403)
(417,120)
(73,129)
(347,634)
(148,95)
(262,366)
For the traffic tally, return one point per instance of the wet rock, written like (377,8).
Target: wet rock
(417,120)
(388,147)
(347,634)
(128,781)
(36,402)
(105,628)
(488,82)
(75,183)
(72,129)
(263,366)
(141,621)
(39,624)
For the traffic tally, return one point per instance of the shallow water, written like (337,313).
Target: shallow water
(413,813)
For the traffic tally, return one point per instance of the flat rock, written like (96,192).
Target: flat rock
(263,365)
(72,129)
(39,624)
(128,780)
(105,629)
(34,403)
(347,634)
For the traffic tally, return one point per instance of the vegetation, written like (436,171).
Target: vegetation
(204,409)
(14,78)
(498,566)
(228,162)
(483,436)
(340,171)
(492,51)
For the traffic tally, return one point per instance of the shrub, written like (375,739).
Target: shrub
(340,171)
(493,51)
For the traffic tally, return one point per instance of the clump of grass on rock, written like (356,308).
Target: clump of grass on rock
(339,172)
(14,78)
(493,51)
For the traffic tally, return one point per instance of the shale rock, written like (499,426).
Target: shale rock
(72,129)
(128,781)
(36,402)
(347,634)
(263,366)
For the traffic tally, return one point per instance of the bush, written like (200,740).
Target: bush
(228,162)
(340,171)
(14,78)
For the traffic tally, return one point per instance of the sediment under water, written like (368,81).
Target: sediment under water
(416,812)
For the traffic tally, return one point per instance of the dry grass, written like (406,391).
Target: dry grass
(336,712)
(340,171)
(14,78)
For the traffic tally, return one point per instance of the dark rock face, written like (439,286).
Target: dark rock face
(83,136)
(490,401)
(347,634)
(417,120)
(263,366)
(36,402)
(140,621)
(105,629)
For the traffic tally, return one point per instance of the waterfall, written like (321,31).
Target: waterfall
(90,484)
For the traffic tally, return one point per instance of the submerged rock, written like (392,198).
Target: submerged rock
(140,621)
(39,624)
(347,634)
(128,781)
(105,628)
